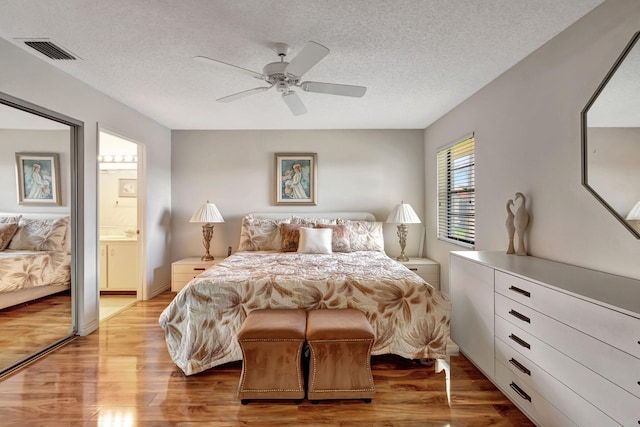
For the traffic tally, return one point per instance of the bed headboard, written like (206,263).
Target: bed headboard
(353,216)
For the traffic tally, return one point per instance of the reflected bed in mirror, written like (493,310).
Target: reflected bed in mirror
(611,139)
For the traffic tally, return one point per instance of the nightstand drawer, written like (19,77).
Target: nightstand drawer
(190,268)
(184,276)
(185,270)
(427,269)
(432,279)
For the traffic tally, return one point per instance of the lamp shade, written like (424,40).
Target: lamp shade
(634,214)
(207,213)
(403,214)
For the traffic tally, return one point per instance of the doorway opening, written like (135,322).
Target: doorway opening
(120,185)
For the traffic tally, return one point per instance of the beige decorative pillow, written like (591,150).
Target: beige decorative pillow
(7,230)
(365,235)
(290,234)
(315,240)
(260,234)
(40,234)
(339,238)
(10,219)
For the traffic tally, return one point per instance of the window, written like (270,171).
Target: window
(456,193)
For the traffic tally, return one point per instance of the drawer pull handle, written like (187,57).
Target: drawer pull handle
(520,291)
(413,269)
(519,316)
(520,366)
(198,269)
(520,392)
(520,341)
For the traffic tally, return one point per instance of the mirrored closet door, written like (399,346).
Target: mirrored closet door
(38,228)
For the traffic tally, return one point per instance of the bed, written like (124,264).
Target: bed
(35,258)
(410,318)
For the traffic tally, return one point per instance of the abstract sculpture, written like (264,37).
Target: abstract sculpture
(521,223)
(511,229)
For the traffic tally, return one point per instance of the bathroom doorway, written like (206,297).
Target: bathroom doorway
(119,219)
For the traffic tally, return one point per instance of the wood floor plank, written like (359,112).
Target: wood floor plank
(122,375)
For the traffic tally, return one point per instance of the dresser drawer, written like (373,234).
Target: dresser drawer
(617,403)
(611,363)
(569,403)
(612,327)
(529,400)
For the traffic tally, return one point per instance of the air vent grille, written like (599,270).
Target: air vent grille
(50,50)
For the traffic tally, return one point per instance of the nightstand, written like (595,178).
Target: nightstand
(428,269)
(184,270)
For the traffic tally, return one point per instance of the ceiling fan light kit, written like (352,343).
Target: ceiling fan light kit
(285,75)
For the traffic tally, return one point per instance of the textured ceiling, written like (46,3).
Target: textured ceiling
(418,59)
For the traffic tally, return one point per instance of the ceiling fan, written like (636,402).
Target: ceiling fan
(286,75)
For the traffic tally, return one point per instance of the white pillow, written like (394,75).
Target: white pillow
(315,240)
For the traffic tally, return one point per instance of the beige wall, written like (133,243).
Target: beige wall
(358,170)
(527,127)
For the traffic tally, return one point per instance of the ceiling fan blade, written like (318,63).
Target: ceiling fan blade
(309,56)
(333,89)
(294,103)
(243,94)
(206,60)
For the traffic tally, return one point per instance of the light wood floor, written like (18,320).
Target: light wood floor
(28,328)
(113,304)
(122,375)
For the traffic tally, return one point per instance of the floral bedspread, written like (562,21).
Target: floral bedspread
(410,318)
(21,269)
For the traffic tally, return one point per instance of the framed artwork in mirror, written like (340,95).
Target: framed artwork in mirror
(127,187)
(295,180)
(38,179)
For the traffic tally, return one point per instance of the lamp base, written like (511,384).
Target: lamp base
(207,233)
(402,257)
(402,234)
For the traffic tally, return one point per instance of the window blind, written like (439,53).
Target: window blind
(456,193)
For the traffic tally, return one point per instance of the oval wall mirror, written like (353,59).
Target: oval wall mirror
(611,139)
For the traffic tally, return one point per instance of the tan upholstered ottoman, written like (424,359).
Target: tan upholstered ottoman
(340,341)
(271,343)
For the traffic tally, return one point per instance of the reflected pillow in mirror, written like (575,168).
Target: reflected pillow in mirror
(7,230)
(40,235)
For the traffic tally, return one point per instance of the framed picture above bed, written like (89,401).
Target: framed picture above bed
(296,178)
(38,179)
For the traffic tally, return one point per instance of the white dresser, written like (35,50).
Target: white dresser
(562,342)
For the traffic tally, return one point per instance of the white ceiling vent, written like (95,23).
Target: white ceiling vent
(49,49)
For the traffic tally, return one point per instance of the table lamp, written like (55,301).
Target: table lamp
(207,215)
(402,215)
